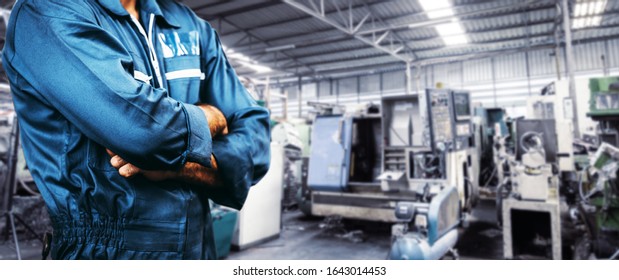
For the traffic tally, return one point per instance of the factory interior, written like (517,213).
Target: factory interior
(405,129)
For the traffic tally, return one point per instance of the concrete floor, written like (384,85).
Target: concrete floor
(303,238)
(30,249)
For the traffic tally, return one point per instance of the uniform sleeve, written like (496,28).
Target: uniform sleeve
(243,155)
(81,70)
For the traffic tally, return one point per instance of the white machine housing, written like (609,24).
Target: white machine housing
(263,204)
(558,107)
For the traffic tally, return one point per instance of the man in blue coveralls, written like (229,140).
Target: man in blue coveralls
(111,97)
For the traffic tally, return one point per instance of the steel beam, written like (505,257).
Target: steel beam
(317,15)
(251,35)
(209,5)
(250,49)
(351,51)
(395,35)
(322,12)
(245,9)
(448,19)
(376,68)
(318,33)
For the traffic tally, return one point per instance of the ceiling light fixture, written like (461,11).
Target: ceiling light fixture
(588,13)
(280,48)
(452,32)
(437,8)
(245,61)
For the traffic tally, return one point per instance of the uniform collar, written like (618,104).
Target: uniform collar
(148,6)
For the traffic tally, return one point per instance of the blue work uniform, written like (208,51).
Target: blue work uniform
(86,76)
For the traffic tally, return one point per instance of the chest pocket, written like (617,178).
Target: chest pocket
(183,71)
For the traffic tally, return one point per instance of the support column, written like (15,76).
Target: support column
(528,68)
(557,51)
(284,93)
(267,93)
(358,89)
(606,59)
(418,79)
(570,64)
(408,78)
(299,95)
(493,82)
(381,84)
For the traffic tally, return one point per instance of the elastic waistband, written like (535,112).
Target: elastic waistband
(134,235)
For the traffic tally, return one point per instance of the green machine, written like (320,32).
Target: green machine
(599,189)
(604,108)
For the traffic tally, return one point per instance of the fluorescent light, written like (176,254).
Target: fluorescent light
(239,57)
(452,32)
(599,7)
(589,8)
(437,8)
(578,10)
(440,13)
(280,48)
(578,23)
(448,29)
(456,40)
(256,67)
(429,5)
(586,22)
(245,61)
(588,13)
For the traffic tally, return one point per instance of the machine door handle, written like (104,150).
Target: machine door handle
(341,133)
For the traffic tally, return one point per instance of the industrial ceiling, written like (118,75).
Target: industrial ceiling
(319,38)
(329,38)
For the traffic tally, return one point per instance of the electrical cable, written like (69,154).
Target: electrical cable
(580,191)
(491,176)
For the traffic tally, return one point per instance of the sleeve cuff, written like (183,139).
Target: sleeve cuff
(199,142)
(235,174)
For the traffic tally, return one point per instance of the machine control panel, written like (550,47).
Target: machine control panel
(441,117)
(462,106)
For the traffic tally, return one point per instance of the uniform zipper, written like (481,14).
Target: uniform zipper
(151,48)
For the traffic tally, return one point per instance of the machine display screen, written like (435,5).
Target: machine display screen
(462,105)
(439,108)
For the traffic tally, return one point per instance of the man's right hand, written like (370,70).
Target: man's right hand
(216,121)
(191,172)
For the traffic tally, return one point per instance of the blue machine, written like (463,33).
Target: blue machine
(417,152)
(434,228)
(330,153)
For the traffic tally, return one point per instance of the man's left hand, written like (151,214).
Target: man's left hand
(191,172)
(129,170)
